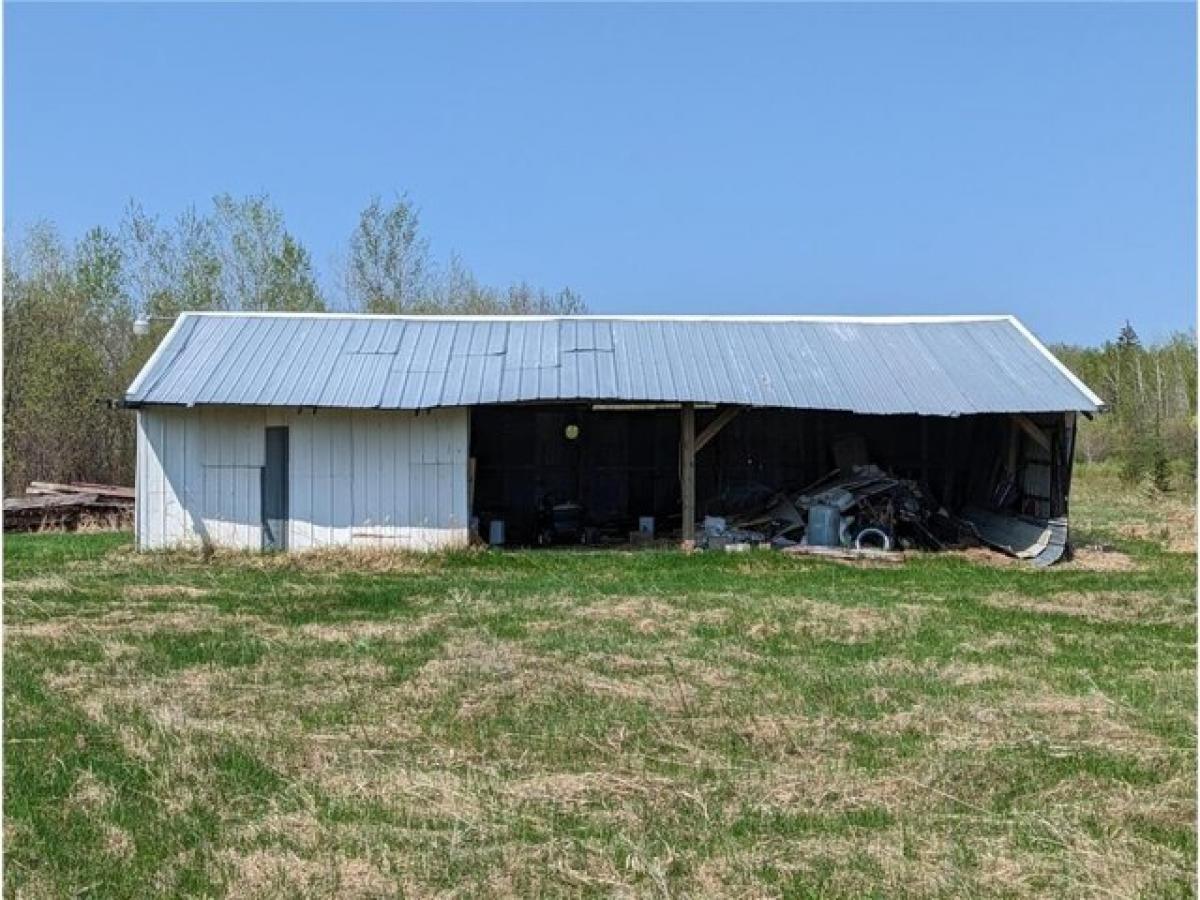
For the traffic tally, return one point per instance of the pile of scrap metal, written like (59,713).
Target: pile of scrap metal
(47,505)
(866,510)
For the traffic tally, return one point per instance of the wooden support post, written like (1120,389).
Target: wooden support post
(1039,437)
(713,428)
(687,473)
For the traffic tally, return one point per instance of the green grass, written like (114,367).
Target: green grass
(591,723)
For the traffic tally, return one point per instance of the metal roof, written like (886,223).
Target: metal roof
(948,365)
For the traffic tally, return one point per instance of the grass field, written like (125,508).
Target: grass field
(643,724)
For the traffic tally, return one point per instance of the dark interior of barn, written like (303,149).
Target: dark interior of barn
(591,473)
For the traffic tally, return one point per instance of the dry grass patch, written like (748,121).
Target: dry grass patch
(117,842)
(353,560)
(584,788)
(1141,607)
(486,677)
(1091,559)
(966,674)
(300,829)
(643,614)
(139,619)
(998,643)
(38,584)
(370,630)
(1038,719)
(856,624)
(261,874)
(258,702)
(90,792)
(1174,526)
(423,793)
(158,591)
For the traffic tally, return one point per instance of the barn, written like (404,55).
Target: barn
(289,431)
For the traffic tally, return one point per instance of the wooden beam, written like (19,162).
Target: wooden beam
(713,428)
(1039,436)
(687,473)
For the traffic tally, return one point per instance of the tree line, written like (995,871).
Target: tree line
(69,309)
(1149,427)
(69,340)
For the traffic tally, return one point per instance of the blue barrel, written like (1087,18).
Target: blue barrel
(824,526)
(496,533)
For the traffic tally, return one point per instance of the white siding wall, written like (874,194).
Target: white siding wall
(362,478)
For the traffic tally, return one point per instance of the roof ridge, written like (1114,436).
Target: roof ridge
(898,319)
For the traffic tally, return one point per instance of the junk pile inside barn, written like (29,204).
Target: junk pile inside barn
(867,509)
(290,431)
(50,506)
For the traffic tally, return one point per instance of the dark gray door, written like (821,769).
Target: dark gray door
(275,490)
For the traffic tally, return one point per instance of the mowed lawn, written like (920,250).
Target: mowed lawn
(604,723)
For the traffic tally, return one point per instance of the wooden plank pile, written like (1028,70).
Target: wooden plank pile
(48,505)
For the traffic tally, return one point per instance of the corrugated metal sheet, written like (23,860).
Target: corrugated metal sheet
(930,366)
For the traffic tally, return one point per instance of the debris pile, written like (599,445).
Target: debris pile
(865,510)
(47,505)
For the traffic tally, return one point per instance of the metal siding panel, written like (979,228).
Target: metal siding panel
(251,388)
(511,387)
(443,345)
(174,364)
(403,449)
(621,360)
(360,492)
(608,382)
(995,381)
(299,482)
(645,370)
(498,338)
(197,363)
(259,361)
(603,333)
(568,373)
(531,344)
(302,340)
(818,384)
(316,372)
(459,339)
(174,456)
(162,365)
(894,374)
(491,380)
(455,385)
(154,481)
(548,387)
(193,477)
(477,338)
(960,369)
(220,382)
(140,494)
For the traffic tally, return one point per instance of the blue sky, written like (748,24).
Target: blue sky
(1034,159)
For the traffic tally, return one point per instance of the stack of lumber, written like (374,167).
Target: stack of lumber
(67,506)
